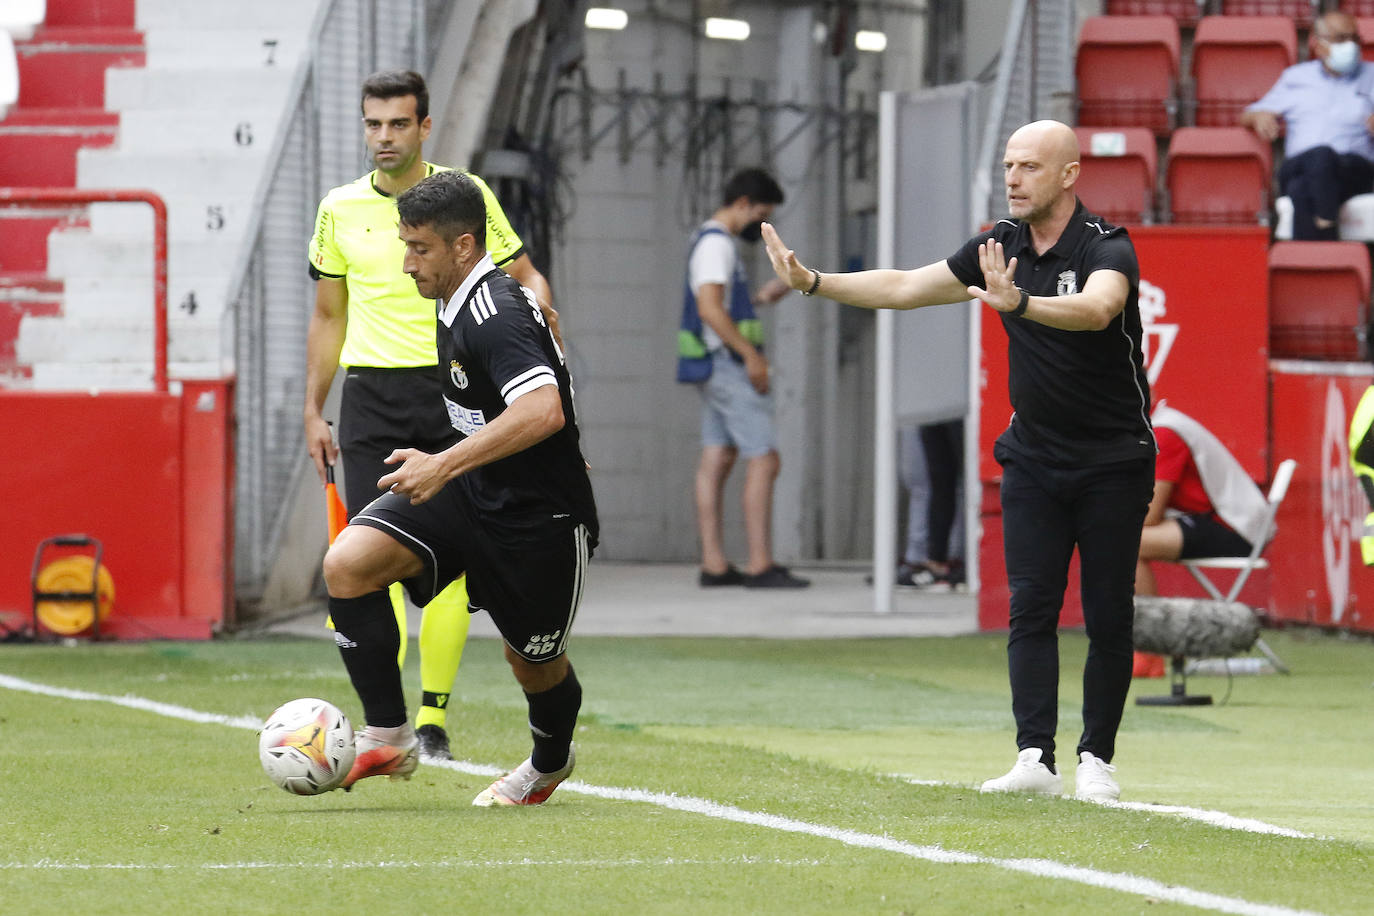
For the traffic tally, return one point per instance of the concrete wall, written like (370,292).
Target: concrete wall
(618,275)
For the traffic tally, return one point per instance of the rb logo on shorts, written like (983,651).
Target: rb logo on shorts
(543,645)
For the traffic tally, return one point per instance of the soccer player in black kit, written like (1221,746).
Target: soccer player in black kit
(1078,455)
(510,504)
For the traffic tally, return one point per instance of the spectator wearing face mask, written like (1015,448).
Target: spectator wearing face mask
(1327,107)
(720,352)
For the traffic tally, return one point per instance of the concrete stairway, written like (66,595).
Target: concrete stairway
(61,63)
(196,123)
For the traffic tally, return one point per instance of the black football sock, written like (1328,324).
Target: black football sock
(553,716)
(369,640)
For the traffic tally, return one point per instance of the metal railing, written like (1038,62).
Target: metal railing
(318,146)
(1034,80)
(79,197)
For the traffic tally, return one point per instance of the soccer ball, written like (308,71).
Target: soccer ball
(306,746)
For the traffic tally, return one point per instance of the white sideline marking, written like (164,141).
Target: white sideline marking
(1043,868)
(132,702)
(52,865)
(1215,818)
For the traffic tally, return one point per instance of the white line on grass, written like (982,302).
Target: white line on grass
(667,862)
(132,702)
(1043,868)
(1215,818)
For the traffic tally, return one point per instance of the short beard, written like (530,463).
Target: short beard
(1037,214)
(401,167)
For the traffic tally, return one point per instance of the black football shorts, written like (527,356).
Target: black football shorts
(531,587)
(1205,535)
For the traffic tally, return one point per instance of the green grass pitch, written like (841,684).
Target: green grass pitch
(714,776)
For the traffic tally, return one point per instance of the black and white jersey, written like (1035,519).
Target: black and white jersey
(494,346)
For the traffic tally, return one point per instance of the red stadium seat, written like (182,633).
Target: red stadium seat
(1357,8)
(1218,175)
(1127,71)
(1187,12)
(1365,24)
(1117,180)
(1301,12)
(1318,300)
(1235,61)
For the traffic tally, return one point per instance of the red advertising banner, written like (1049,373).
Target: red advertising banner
(1318,576)
(147,474)
(1204,311)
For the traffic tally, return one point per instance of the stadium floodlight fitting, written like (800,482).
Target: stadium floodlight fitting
(870,41)
(728,29)
(605,17)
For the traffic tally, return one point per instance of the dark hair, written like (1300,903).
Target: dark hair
(393,84)
(449,202)
(755,184)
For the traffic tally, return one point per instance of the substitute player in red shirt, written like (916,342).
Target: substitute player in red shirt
(1204,505)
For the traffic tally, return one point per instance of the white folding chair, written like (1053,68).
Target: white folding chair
(1243,566)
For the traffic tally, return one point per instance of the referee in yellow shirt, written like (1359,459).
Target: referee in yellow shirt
(370,319)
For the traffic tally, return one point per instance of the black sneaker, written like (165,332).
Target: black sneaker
(916,575)
(731,576)
(433,742)
(776,577)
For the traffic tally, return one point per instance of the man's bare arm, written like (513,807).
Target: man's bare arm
(711,308)
(530,419)
(323,344)
(933,284)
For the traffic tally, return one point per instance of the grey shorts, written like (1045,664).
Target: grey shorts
(733,414)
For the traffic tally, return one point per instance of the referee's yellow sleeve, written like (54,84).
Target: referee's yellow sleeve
(325,256)
(502,243)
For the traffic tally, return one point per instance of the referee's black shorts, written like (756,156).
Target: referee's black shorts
(531,585)
(380,411)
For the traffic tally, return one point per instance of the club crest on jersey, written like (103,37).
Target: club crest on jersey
(1068,284)
(455,372)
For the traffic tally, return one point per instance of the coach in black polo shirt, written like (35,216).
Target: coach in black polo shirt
(1078,456)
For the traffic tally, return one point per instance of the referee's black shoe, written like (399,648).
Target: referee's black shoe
(775,577)
(433,742)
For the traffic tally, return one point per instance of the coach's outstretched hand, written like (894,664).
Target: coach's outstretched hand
(784,261)
(999,275)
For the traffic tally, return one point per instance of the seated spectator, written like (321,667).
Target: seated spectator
(1327,105)
(1204,505)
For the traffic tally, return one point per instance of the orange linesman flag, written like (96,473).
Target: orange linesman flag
(338,515)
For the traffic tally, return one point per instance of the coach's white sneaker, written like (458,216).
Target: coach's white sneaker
(1028,775)
(1094,781)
